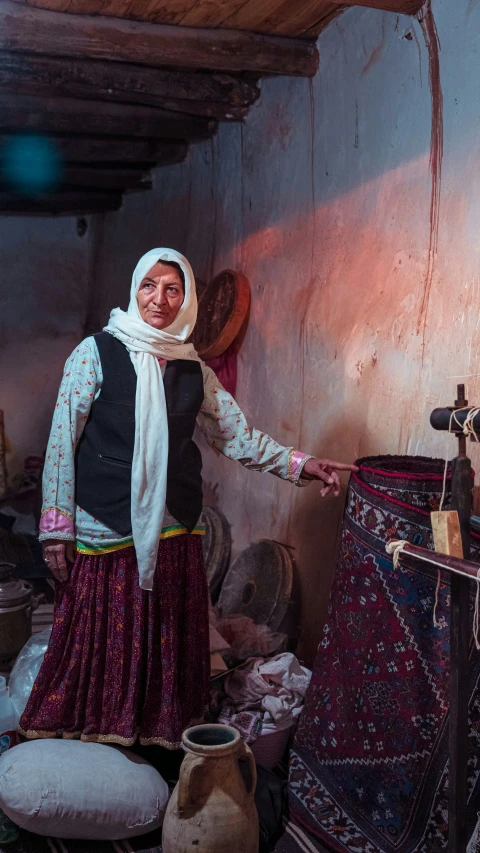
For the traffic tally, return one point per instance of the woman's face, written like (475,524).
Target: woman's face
(160,296)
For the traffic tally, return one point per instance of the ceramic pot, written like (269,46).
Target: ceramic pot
(16,605)
(212,809)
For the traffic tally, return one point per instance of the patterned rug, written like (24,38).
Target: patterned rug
(296,840)
(368,772)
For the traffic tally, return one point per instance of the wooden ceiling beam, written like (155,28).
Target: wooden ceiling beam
(73,203)
(214,95)
(206,109)
(70,115)
(106,177)
(76,186)
(107,149)
(181,107)
(25,28)
(401,7)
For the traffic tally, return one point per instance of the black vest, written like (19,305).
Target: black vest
(103,460)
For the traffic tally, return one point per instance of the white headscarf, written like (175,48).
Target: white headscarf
(150,455)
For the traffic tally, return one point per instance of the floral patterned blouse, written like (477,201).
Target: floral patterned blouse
(220,419)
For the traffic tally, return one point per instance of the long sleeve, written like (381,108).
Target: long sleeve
(225,428)
(81,382)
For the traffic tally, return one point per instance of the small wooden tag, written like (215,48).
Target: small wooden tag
(447,538)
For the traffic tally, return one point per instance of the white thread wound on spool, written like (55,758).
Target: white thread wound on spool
(467,429)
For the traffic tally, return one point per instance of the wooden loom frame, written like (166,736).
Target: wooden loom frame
(462,571)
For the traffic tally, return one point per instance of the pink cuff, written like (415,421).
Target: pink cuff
(54,521)
(297,461)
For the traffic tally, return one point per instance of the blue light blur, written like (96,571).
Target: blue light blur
(30,164)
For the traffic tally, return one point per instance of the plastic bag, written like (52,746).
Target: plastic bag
(8,830)
(26,670)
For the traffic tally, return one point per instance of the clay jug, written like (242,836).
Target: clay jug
(211,809)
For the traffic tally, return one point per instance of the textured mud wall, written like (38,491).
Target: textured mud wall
(43,305)
(352,202)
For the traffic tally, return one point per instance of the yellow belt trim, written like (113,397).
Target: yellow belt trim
(165,534)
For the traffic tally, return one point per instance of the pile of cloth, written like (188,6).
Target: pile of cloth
(264,696)
(261,687)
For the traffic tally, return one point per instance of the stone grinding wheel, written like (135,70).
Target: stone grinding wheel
(222,310)
(217,548)
(259,584)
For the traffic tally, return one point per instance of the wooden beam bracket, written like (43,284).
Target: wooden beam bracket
(211,95)
(71,115)
(73,203)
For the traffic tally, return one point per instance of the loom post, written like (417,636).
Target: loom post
(461,491)
(460,403)
(459,693)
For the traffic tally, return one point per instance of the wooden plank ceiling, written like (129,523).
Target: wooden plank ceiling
(291,18)
(90,101)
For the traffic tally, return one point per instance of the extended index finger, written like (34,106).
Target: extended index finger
(341,466)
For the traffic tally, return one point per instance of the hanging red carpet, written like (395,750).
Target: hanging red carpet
(369,770)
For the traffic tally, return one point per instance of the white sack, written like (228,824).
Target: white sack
(70,789)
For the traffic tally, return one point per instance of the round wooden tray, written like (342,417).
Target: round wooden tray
(222,310)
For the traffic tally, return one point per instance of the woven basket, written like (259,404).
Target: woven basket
(269,749)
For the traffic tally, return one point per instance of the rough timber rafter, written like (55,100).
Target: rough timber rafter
(95,37)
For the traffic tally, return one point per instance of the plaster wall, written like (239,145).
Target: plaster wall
(360,322)
(43,306)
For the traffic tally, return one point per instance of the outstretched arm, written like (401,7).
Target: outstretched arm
(326,471)
(225,428)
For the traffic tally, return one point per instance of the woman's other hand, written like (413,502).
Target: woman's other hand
(326,470)
(59,556)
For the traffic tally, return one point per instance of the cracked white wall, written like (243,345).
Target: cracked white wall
(323,199)
(43,304)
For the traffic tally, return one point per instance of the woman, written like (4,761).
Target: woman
(129,656)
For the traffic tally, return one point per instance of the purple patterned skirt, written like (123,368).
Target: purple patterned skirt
(123,663)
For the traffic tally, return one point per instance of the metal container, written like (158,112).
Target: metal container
(17,603)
